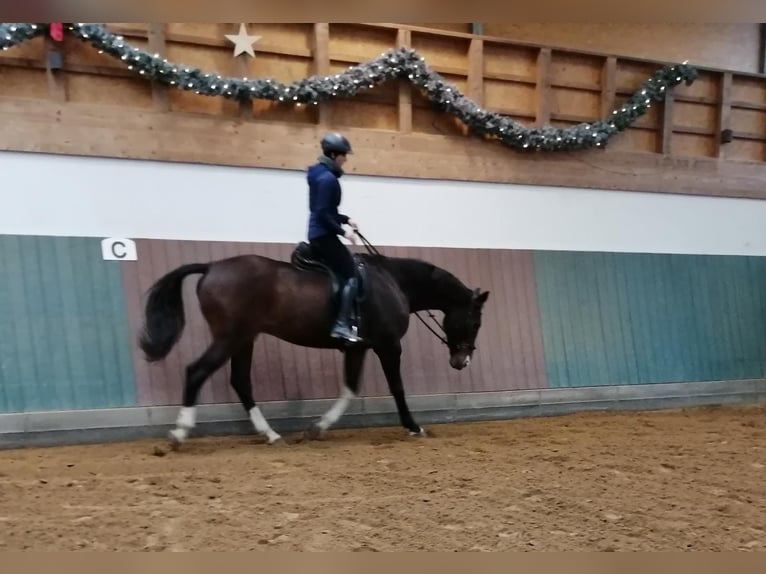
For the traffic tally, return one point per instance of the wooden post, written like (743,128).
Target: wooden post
(322,67)
(762,50)
(403,40)
(667,125)
(157,45)
(475,76)
(54,70)
(724,113)
(608,86)
(476,71)
(544,93)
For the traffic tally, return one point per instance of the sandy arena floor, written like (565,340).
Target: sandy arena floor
(681,480)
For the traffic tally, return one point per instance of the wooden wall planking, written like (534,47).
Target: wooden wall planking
(721,45)
(535,85)
(509,344)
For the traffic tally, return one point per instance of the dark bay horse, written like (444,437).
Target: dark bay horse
(244,296)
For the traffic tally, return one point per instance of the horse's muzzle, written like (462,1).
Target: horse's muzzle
(460,361)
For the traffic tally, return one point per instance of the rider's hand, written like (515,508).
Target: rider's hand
(351,236)
(353,224)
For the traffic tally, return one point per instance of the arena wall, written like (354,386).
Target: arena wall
(625,277)
(599,298)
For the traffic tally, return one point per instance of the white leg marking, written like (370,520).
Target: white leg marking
(336,411)
(187,418)
(262,426)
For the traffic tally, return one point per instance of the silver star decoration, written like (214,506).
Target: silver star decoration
(243,42)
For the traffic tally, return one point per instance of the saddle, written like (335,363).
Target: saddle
(305,259)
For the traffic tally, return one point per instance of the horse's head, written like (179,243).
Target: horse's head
(461,325)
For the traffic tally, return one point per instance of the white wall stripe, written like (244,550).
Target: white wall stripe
(98,197)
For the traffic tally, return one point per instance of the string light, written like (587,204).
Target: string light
(392,64)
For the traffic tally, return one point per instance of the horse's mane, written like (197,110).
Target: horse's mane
(411,273)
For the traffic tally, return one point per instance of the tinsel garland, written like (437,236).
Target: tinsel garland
(395,63)
(14,34)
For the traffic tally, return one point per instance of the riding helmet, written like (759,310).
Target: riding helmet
(335,143)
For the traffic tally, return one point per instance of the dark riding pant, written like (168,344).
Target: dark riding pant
(334,254)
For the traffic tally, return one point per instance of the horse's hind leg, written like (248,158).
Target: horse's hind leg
(354,362)
(241,362)
(196,375)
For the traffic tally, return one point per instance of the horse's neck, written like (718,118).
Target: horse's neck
(427,286)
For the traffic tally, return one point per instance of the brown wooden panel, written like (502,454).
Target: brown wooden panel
(746,150)
(586,105)
(366,114)
(510,343)
(692,145)
(33,50)
(719,45)
(501,59)
(102,131)
(576,69)
(465,28)
(750,121)
(441,52)
(285,112)
(290,38)
(24,82)
(631,74)
(124,92)
(707,86)
(509,95)
(746,89)
(637,139)
(687,114)
(79,53)
(354,43)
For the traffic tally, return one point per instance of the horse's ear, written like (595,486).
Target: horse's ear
(482,298)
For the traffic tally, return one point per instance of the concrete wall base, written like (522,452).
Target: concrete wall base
(124,424)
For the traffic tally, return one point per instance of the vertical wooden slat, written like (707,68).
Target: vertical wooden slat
(57,81)
(544,94)
(667,125)
(404,40)
(762,50)
(157,45)
(476,71)
(475,77)
(322,67)
(608,86)
(724,112)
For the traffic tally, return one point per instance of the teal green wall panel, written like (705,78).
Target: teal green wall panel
(611,318)
(64,338)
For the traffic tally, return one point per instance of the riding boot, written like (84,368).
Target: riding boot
(345,327)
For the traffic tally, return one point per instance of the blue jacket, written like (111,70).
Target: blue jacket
(324,199)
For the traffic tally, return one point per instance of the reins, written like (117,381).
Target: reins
(371,248)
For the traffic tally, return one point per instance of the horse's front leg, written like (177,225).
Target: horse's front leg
(390,359)
(353,363)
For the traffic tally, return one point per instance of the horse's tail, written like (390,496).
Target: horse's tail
(164,314)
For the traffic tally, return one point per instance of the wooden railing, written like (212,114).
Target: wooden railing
(722,115)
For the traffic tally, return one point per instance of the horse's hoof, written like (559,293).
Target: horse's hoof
(419,434)
(312,433)
(279,442)
(176,439)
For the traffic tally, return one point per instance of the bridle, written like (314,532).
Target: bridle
(442,337)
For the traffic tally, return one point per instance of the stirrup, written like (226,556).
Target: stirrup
(351,335)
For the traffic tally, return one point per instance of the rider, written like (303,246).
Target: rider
(325,226)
